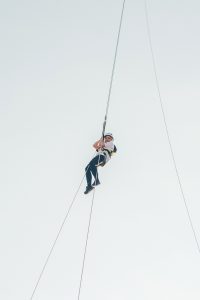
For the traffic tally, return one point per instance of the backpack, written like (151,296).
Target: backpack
(111,152)
(114,150)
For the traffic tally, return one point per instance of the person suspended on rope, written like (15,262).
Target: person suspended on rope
(105,149)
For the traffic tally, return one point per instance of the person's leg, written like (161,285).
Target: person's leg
(93,167)
(88,175)
(89,186)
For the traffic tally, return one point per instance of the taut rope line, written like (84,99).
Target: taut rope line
(166,127)
(104,126)
(72,203)
(113,68)
(56,239)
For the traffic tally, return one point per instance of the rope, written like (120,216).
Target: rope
(87,238)
(166,126)
(86,244)
(103,131)
(70,207)
(113,68)
(56,239)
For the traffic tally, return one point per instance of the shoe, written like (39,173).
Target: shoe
(88,189)
(96,182)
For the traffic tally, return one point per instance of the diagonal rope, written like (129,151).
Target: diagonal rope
(166,126)
(72,203)
(56,239)
(113,67)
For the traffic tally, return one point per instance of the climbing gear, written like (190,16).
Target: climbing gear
(111,152)
(104,153)
(114,150)
(101,163)
(72,203)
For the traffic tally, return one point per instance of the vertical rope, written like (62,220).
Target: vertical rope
(113,68)
(103,132)
(166,127)
(87,238)
(66,216)
(86,244)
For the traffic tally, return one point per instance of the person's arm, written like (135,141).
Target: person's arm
(99,144)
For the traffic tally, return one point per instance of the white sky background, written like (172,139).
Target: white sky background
(56,60)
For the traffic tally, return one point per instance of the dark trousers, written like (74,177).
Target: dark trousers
(91,168)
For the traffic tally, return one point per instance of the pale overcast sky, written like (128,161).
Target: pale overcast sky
(56,59)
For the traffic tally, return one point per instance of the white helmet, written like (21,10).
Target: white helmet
(108,134)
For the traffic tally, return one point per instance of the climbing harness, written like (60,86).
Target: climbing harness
(110,152)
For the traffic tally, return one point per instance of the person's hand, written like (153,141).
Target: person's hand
(99,144)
